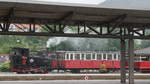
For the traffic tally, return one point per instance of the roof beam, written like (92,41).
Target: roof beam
(58,34)
(8,19)
(118,20)
(65,17)
(19,27)
(71,35)
(93,30)
(49,28)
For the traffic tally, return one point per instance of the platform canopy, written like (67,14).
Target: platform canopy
(26,11)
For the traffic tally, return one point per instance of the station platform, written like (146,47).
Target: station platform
(73,82)
(50,76)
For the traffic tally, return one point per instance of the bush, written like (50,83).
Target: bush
(5,67)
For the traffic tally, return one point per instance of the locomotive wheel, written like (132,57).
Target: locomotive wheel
(22,72)
(19,72)
(36,72)
(32,72)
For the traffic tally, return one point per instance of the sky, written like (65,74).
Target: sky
(78,1)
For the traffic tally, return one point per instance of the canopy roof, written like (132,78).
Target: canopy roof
(24,11)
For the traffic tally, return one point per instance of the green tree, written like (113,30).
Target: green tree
(32,42)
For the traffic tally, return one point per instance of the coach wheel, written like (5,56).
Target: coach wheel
(103,71)
(75,71)
(111,70)
(142,71)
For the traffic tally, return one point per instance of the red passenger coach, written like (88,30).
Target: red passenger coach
(79,60)
(143,66)
(76,61)
(142,60)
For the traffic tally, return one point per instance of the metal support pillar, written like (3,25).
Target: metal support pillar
(131,61)
(123,60)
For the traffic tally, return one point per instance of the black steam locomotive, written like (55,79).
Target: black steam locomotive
(23,62)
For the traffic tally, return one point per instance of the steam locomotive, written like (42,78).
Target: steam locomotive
(22,62)
(73,61)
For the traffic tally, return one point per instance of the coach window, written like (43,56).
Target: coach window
(93,56)
(71,56)
(143,58)
(115,56)
(109,56)
(119,57)
(67,56)
(82,57)
(148,58)
(104,56)
(77,56)
(88,56)
(99,56)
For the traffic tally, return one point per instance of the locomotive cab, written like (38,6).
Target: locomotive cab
(18,57)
